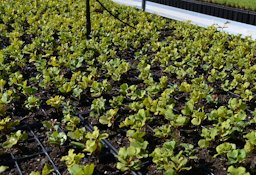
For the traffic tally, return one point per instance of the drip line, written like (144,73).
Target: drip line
(45,152)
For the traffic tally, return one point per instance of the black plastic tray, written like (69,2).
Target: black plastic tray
(235,14)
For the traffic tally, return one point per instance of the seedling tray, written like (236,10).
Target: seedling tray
(159,86)
(16,161)
(202,169)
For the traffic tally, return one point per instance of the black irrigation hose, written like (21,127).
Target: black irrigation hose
(24,126)
(106,143)
(112,149)
(237,96)
(46,153)
(228,92)
(15,160)
(114,15)
(89,127)
(17,165)
(27,156)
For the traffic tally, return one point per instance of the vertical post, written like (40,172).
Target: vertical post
(88,19)
(143,5)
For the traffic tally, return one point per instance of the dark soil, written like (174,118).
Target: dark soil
(29,154)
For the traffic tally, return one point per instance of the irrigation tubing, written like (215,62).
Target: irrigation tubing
(237,96)
(106,143)
(17,165)
(28,156)
(228,92)
(89,127)
(45,152)
(114,15)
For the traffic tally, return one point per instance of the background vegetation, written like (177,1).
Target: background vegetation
(243,4)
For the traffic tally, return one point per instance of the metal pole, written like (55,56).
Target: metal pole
(88,20)
(143,5)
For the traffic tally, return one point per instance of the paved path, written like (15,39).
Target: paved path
(232,27)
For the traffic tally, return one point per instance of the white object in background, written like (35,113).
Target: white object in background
(229,26)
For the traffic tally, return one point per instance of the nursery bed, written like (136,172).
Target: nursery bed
(161,97)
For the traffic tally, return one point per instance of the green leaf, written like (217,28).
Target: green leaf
(1,56)
(3,108)
(77,135)
(203,143)
(251,136)
(235,156)
(5,98)
(185,87)
(123,88)
(47,169)
(75,170)
(105,120)
(89,169)
(237,171)
(55,101)
(224,148)
(72,158)
(58,138)
(14,138)
(35,173)
(3,168)
(170,172)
